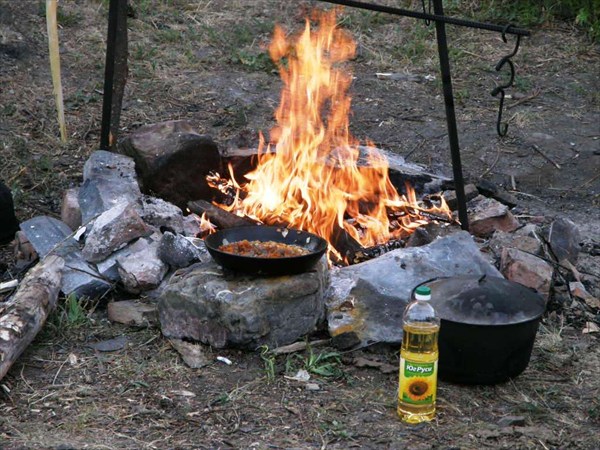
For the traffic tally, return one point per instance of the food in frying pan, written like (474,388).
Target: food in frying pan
(263,249)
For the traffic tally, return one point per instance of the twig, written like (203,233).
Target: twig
(589,181)
(547,158)
(524,99)
(298,346)
(489,169)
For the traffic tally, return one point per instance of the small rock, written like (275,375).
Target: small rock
(511,421)
(312,387)
(161,214)
(70,213)
(143,270)
(193,355)
(527,269)
(109,267)
(578,290)
(191,225)
(564,238)
(178,252)
(501,239)
(112,230)
(470,193)
(130,312)
(487,215)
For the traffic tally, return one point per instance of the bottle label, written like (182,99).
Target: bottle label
(418,382)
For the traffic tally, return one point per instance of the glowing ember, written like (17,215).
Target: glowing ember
(313,180)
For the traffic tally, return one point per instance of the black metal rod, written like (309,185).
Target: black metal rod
(437,17)
(109,73)
(459,185)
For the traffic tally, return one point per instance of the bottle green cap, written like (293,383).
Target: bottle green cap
(423,293)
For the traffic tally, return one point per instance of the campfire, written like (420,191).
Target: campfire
(319,178)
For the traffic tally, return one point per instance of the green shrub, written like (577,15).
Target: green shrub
(583,13)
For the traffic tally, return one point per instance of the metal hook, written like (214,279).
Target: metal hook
(502,128)
(427,10)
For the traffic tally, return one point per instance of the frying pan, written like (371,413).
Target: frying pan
(266,266)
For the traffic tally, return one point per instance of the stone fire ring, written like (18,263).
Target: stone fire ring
(208,304)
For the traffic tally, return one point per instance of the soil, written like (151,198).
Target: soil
(205,61)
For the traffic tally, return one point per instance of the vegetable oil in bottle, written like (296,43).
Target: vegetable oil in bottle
(418,360)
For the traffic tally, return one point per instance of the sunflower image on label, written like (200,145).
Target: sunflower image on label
(418,382)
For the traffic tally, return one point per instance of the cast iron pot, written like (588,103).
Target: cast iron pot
(488,327)
(267,266)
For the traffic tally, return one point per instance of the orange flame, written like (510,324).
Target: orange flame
(313,180)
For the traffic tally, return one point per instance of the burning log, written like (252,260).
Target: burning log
(345,244)
(218,216)
(22,317)
(365,254)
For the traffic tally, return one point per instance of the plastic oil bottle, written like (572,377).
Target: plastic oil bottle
(418,360)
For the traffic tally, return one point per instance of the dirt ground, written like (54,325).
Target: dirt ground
(205,61)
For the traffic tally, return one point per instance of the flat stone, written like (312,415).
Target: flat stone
(48,234)
(369,298)
(172,160)
(112,230)
(9,224)
(177,251)
(487,215)
(143,270)
(565,239)
(108,179)
(225,309)
(529,270)
(70,212)
(134,313)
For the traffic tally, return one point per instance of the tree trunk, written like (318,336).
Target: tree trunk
(24,315)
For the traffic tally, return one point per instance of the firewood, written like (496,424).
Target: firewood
(219,217)
(24,315)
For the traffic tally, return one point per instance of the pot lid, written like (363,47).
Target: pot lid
(484,300)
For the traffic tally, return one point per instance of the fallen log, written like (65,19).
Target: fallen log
(24,315)
(218,216)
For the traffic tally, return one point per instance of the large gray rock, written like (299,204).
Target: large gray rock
(172,160)
(47,234)
(368,299)
(112,230)
(223,309)
(108,179)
